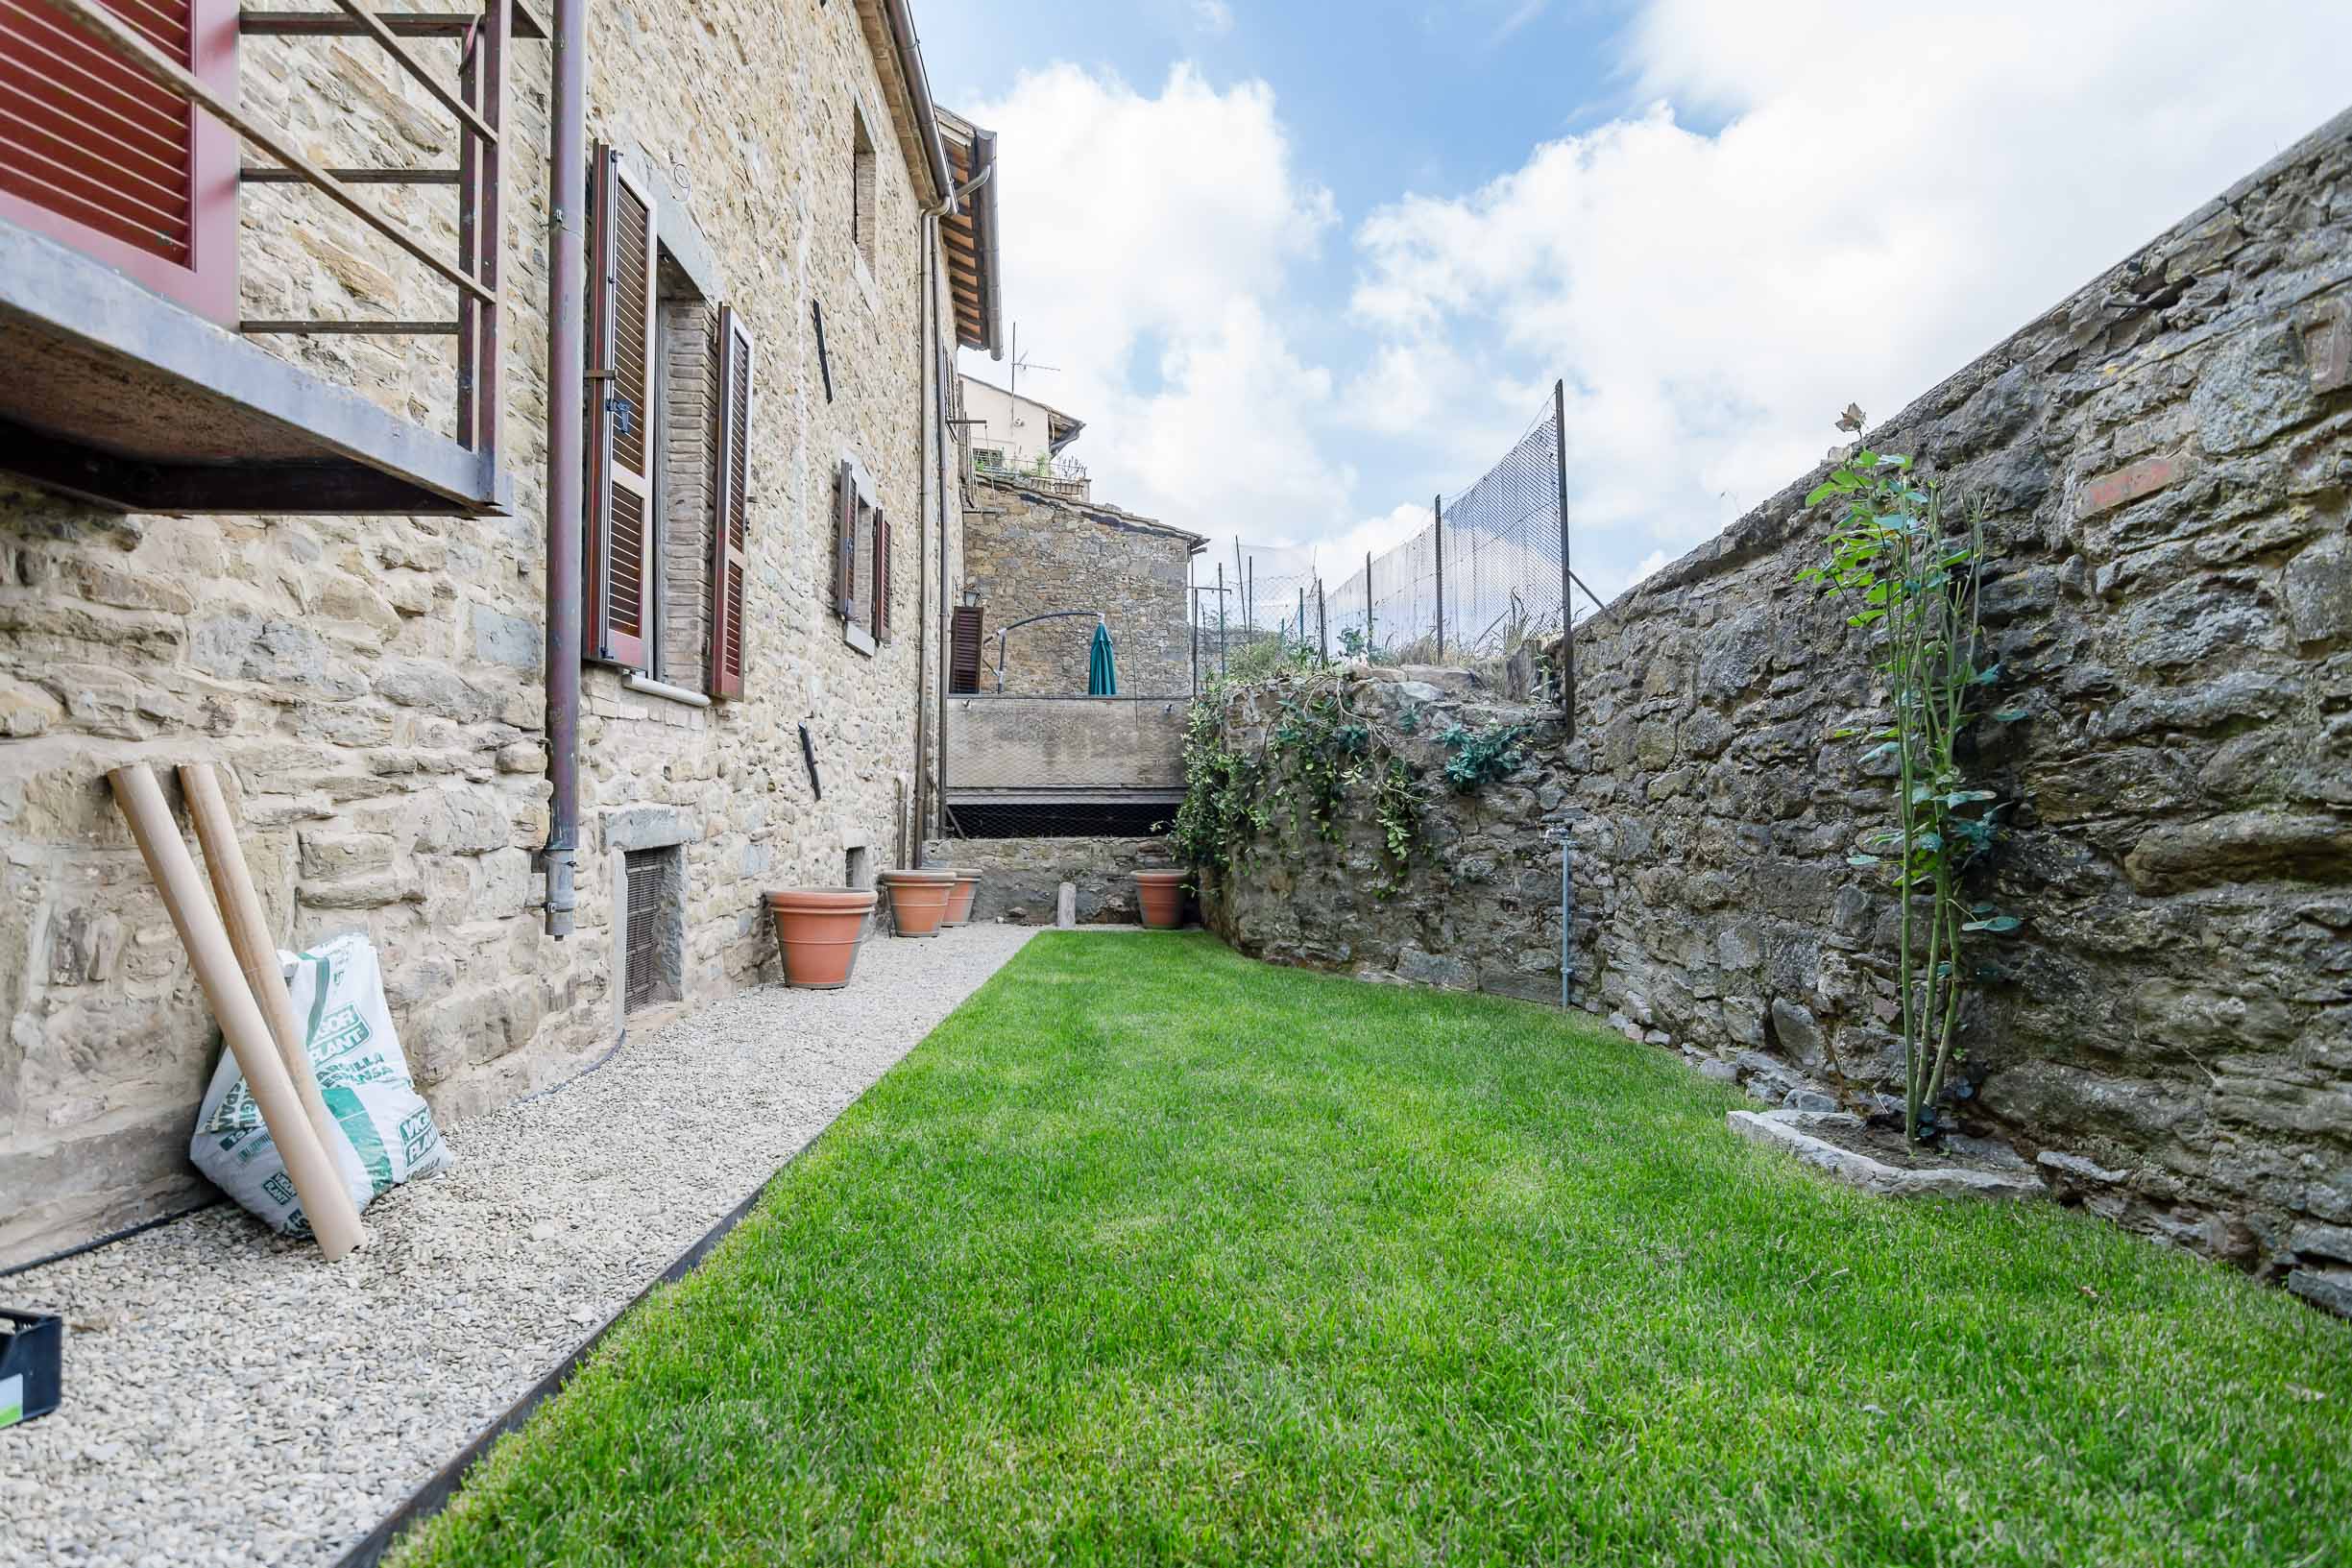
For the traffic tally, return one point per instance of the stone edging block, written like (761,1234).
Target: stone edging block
(1789,1130)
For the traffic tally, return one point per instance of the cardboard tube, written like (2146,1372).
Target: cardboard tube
(316,1183)
(249,936)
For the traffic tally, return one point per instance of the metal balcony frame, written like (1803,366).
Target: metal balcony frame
(369,459)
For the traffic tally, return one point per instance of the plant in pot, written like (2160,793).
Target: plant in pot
(1160,892)
(919,900)
(819,930)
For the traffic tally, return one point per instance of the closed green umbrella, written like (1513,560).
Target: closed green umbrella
(1102,675)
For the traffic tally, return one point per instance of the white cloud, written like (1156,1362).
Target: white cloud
(1881,204)
(1113,248)
(1214,17)
(1797,210)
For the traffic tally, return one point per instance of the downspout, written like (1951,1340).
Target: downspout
(924,226)
(567,314)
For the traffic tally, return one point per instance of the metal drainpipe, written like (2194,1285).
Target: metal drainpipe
(924,225)
(567,283)
(1567,920)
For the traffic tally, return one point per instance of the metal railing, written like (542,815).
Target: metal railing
(478,105)
(1061,475)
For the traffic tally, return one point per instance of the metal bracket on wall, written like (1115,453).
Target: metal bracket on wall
(808,755)
(824,364)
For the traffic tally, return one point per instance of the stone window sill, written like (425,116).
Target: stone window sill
(647,685)
(859,638)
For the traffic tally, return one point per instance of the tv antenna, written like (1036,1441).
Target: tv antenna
(1021,361)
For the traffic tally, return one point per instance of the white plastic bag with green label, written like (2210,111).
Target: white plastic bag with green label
(387,1134)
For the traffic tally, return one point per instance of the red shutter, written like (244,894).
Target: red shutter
(881,578)
(963,649)
(730,533)
(97,156)
(619,575)
(845,544)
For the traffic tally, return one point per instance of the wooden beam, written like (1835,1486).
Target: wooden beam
(130,47)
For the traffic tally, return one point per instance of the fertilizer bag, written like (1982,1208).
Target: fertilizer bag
(384,1132)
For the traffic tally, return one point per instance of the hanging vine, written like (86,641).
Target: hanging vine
(1319,762)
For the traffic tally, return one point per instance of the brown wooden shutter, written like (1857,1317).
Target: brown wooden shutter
(730,532)
(881,578)
(618,556)
(96,156)
(845,544)
(964,639)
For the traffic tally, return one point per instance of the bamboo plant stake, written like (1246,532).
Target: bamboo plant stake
(316,1182)
(248,935)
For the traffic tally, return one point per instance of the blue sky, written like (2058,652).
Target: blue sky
(1303,264)
(1388,96)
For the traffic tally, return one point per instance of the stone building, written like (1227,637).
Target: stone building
(706,366)
(1029,551)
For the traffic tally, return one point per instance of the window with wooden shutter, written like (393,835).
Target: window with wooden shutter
(845,545)
(881,578)
(620,512)
(96,156)
(731,528)
(963,639)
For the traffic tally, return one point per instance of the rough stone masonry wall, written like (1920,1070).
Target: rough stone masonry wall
(1030,552)
(2167,457)
(371,687)
(1022,878)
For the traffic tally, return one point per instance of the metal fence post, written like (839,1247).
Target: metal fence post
(1322,623)
(1220,614)
(1193,597)
(1302,615)
(1437,542)
(1249,598)
(1368,607)
(1567,618)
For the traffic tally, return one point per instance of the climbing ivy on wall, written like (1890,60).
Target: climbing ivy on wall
(1910,582)
(1320,761)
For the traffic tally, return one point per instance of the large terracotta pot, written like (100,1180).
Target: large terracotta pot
(959,901)
(919,900)
(1161,893)
(819,930)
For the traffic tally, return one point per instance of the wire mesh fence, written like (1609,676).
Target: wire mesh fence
(1486,575)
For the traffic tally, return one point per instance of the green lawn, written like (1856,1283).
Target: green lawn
(1154,1253)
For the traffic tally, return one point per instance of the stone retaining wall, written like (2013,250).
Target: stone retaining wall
(1023,876)
(2168,460)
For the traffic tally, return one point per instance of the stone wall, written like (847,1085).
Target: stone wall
(371,687)
(2167,457)
(1023,876)
(1057,743)
(1030,553)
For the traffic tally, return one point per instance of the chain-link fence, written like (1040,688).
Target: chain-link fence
(1488,575)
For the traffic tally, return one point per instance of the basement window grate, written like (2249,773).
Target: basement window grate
(1057,819)
(651,967)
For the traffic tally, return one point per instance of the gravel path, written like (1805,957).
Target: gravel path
(229,1399)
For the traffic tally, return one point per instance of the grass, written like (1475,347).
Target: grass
(1154,1253)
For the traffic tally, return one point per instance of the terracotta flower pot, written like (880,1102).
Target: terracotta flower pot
(819,930)
(919,900)
(959,901)
(1161,893)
